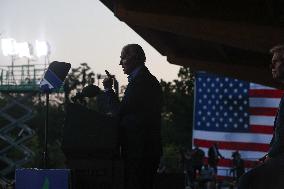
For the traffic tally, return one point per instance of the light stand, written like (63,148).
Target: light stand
(45,156)
(52,80)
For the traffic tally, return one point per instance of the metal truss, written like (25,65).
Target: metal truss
(15,133)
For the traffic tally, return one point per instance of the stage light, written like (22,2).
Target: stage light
(8,47)
(42,48)
(23,49)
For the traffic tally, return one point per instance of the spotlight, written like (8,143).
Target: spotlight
(9,47)
(42,48)
(23,49)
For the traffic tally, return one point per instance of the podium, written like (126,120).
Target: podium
(90,144)
(42,178)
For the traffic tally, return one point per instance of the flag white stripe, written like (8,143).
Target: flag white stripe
(225,171)
(246,155)
(261,120)
(232,137)
(258,86)
(264,102)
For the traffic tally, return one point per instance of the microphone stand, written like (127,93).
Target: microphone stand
(46,131)
(56,74)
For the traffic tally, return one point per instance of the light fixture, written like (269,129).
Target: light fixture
(23,49)
(9,47)
(42,48)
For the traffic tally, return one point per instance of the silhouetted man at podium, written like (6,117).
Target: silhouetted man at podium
(270,174)
(139,113)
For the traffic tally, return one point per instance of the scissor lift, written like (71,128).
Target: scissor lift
(17,85)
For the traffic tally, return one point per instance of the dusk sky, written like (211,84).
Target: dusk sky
(77,31)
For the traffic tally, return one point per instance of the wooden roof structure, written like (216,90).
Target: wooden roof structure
(227,37)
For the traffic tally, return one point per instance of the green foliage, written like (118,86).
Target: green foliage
(177,115)
(77,79)
(55,128)
(172,158)
(178,109)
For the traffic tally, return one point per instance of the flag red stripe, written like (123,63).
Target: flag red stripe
(261,129)
(263,111)
(265,93)
(229,163)
(233,145)
(222,178)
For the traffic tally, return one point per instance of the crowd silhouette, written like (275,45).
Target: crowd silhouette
(200,171)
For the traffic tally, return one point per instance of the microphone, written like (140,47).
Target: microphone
(108,74)
(88,91)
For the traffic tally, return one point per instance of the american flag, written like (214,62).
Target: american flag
(238,115)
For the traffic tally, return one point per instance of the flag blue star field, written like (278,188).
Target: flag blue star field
(236,114)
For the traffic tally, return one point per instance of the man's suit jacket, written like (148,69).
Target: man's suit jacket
(277,142)
(140,116)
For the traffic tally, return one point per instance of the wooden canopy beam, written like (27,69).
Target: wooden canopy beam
(240,35)
(155,38)
(256,74)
